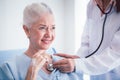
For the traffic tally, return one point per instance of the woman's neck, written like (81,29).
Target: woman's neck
(31,51)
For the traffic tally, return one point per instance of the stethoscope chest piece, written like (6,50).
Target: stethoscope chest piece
(50,67)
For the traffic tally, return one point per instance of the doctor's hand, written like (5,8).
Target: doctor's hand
(67,64)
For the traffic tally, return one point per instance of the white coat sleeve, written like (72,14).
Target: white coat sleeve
(104,62)
(84,48)
(84,42)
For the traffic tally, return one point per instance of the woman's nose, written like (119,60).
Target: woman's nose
(48,33)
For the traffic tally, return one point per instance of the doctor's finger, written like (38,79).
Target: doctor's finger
(67,55)
(59,63)
(66,69)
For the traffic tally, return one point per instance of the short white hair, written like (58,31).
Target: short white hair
(33,12)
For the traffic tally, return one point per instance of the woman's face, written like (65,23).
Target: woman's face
(42,33)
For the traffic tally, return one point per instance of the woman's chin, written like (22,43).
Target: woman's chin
(45,47)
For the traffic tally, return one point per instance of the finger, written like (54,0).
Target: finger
(74,56)
(37,59)
(65,69)
(62,55)
(60,62)
(67,55)
(42,63)
(36,54)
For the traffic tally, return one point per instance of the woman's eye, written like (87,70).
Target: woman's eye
(53,27)
(42,28)
(46,28)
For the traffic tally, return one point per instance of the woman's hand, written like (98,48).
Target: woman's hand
(36,64)
(67,64)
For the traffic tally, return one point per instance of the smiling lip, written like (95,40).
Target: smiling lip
(46,41)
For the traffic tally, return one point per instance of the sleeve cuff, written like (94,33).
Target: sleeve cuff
(78,65)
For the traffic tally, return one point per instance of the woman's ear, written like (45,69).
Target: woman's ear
(27,31)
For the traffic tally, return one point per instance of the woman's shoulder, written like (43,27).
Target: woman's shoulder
(7,71)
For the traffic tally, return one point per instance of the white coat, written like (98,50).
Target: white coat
(108,55)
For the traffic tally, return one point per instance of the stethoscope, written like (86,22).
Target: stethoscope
(50,66)
(106,13)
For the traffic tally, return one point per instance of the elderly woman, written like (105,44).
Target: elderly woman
(35,63)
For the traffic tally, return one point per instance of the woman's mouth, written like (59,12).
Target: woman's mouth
(46,41)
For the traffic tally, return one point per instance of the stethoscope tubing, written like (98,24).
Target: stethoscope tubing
(103,29)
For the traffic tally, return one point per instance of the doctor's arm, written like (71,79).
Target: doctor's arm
(104,62)
(96,64)
(68,63)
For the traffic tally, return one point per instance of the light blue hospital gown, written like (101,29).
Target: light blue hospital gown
(16,69)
